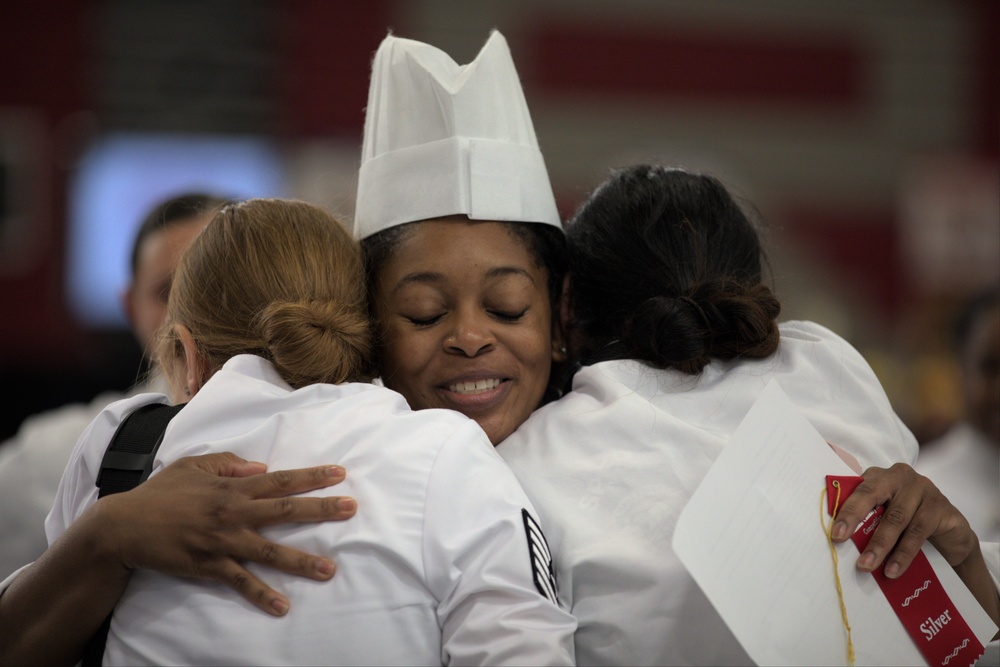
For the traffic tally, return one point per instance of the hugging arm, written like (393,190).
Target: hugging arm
(197,518)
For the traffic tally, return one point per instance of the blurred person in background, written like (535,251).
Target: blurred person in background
(32,461)
(965,462)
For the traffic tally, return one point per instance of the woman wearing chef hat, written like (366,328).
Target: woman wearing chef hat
(463,242)
(455,207)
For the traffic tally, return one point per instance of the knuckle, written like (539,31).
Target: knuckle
(955,522)
(240,581)
(282,479)
(268,553)
(895,517)
(916,532)
(899,468)
(219,512)
(867,487)
(284,507)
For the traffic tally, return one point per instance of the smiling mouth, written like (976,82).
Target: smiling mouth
(472,388)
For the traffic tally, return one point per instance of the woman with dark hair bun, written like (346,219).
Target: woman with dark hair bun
(633,299)
(677,333)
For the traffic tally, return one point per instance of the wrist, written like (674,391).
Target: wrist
(105,534)
(976,575)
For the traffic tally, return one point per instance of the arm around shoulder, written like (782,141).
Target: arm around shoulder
(53,606)
(197,518)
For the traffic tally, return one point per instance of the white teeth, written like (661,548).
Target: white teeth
(476,387)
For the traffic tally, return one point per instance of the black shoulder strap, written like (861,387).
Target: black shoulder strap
(127,463)
(129,458)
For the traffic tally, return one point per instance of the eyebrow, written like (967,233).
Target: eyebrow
(430,277)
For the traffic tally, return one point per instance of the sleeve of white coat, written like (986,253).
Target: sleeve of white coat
(31,464)
(487,562)
(78,487)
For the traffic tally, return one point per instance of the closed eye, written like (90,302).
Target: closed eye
(506,316)
(424,321)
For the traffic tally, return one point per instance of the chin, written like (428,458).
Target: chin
(496,434)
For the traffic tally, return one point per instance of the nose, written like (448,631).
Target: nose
(471,334)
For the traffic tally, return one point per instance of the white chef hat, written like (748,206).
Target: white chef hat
(446,139)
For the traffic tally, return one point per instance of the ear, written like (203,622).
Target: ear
(560,321)
(195,364)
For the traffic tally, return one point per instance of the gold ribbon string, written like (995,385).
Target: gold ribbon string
(828,530)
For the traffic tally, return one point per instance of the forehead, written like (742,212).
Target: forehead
(456,246)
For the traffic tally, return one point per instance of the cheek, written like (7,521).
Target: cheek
(535,353)
(388,342)
(403,356)
(391,353)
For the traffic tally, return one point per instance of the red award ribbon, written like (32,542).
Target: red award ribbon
(917,597)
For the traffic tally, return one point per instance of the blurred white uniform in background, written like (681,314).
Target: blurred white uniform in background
(31,464)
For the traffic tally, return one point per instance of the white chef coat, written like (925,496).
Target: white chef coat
(32,462)
(611,465)
(434,568)
(965,464)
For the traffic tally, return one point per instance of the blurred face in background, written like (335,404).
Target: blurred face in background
(145,300)
(981,374)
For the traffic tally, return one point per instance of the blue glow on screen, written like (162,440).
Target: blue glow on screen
(122,177)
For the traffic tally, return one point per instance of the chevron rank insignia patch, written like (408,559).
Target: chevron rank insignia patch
(542,569)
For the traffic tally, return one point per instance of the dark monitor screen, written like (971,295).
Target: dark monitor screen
(118,182)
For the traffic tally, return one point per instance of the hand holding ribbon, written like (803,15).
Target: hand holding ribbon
(915,512)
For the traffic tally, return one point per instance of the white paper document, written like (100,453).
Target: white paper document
(751,536)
